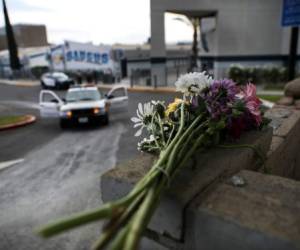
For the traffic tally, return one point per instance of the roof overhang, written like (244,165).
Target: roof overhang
(195,13)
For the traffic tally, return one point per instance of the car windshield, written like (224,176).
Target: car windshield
(59,75)
(83,95)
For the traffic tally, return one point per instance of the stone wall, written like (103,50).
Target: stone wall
(284,154)
(264,214)
(202,209)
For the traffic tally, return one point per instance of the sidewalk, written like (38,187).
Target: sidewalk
(21,83)
(261,91)
(163,89)
(138,88)
(31,83)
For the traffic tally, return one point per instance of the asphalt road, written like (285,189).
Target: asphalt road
(61,170)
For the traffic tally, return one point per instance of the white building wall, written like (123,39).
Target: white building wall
(244,28)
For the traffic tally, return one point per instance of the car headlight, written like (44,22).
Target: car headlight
(66,113)
(96,111)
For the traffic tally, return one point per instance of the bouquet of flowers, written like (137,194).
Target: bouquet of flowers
(209,112)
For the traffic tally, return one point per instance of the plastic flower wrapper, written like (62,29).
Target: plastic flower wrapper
(209,111)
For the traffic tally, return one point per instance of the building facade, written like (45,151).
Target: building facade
(27,35)
(246,32)
(138,63)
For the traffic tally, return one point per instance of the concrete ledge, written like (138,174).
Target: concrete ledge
(283,156)
(288,124)
(203,171)
(264,214)
(203,210)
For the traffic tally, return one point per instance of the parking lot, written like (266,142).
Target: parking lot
(61,169)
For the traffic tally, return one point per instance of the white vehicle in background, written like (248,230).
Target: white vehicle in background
(57,80)
(83,105)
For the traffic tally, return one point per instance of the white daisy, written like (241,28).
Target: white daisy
(193,83)
(144,114)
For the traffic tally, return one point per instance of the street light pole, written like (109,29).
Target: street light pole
(11,41)
(293,53)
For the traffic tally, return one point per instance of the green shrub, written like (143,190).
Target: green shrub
(237,74)
(258,75)
(38,71)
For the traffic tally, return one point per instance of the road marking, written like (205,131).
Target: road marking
(26,104)
(7,164)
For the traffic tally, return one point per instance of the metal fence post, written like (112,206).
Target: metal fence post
(155,81)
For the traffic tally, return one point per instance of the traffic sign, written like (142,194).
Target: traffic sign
(290,13)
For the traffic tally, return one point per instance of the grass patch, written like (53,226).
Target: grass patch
(6,120)
(271,98)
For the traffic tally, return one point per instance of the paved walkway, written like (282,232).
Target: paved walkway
(270,92)
(164,89)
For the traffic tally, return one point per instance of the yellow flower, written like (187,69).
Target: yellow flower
(173,106)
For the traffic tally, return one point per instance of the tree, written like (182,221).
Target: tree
(194,22)
(11,42)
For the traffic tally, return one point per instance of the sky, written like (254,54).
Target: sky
(97,21)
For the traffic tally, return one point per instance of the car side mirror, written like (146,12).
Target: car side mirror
(109,96)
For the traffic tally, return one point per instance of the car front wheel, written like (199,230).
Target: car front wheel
(63,124)
(105,120)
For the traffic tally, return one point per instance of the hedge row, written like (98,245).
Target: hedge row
(270,75)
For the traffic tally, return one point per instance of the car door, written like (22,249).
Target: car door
(117,97)
(49,104)
(48,80)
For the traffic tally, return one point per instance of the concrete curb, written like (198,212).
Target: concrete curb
(28,120)
(20,83)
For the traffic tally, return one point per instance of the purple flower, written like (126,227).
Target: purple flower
(220,97)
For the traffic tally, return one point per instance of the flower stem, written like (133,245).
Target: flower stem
(176,148)
(144,215)
(164,155)
(170,136)
(153,130)
(118,242)
(192,136)
(56,227)
(199,140)
(136,228)
(111,229)
(162,131)
(106,211)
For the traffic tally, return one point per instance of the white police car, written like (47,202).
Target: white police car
(82,105)
(56,80)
